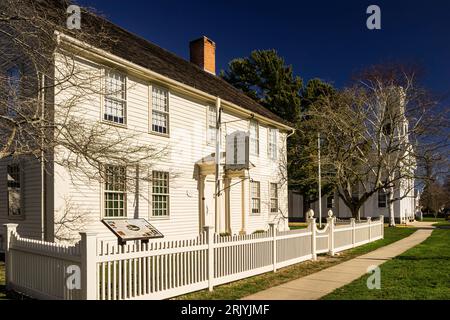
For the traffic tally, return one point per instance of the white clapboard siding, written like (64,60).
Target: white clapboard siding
(185,146)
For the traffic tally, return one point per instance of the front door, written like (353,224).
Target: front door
(209,206)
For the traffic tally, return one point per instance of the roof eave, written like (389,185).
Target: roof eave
(110,58)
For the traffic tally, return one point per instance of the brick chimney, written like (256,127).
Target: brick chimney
(203,54)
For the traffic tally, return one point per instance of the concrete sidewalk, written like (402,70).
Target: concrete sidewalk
(319,284)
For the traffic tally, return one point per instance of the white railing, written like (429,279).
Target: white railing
(164,269)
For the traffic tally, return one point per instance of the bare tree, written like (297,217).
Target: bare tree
(46,86)
(374,133)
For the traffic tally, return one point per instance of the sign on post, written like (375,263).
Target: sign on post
(132,229)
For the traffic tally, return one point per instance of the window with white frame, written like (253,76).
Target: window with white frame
(382,199)
(160,110)
(212,126)
(254,137)
(273,197)
(115,191)
(330,202)
(160,194)
(273,143)
(14,77)
(14,191)
(255,190)
(115,97)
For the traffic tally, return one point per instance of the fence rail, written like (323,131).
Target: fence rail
(164,269)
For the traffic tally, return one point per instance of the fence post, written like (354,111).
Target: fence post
(330,222)
(9,228)
(353,225)
(274,245)
(89,265)
(382,226)
(210,241)
(312,227)
(369,220)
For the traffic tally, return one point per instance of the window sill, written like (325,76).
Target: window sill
(114,124)
(164,135)
(159,218)
(18,218)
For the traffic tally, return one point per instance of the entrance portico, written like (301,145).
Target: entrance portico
(227,210)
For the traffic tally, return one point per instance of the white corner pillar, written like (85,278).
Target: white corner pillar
(331,224)
(89,265)
(10,229)
(312,226)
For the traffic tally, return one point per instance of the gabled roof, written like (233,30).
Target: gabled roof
(141,52)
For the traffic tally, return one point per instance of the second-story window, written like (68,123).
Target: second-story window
(254,137)
(273,143)
(211,130)
(115,97)
(160,110)
(13,84)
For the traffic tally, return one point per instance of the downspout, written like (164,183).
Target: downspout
(218,142)
(43,175)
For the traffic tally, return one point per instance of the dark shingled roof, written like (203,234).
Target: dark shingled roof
(148,55)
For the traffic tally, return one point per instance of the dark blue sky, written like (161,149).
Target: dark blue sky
(324,39)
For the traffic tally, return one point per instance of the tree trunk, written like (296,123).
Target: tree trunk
(390,201)
(355,213)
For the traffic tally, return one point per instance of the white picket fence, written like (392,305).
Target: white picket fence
(164,269)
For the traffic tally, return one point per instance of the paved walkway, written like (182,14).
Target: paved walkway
(319,284)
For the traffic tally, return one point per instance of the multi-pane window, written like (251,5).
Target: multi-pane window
(255,196)
(330,202)
(273,198)
(272,143)
(160,110)
(160,194)
(382,199)
(13,90)
(115,97)
(115,191)
(254,137)
(13,178)
(212,126)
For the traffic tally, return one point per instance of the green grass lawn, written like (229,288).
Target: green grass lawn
(442,224)
(431,219)
(298,225)
(2,280)
(245,287)
(423,272)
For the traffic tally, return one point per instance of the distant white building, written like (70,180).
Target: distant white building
(406,202)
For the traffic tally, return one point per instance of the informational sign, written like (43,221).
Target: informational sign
(237,151)
(132,229)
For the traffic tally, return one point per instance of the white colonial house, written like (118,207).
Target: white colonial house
(167,102)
